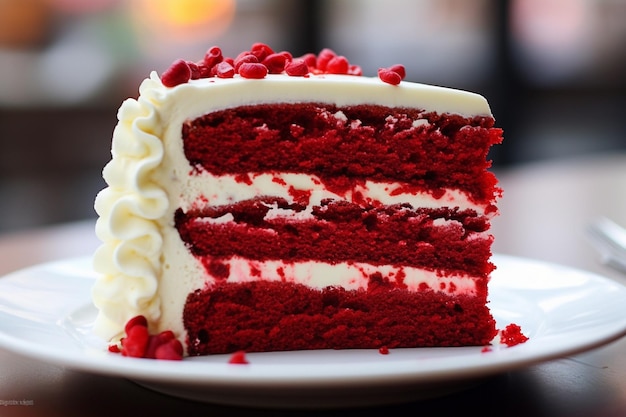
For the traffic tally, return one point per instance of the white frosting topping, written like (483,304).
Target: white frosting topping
(341,90)
(148,180)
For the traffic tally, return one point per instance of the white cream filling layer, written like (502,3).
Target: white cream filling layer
(207,189)
(349,275)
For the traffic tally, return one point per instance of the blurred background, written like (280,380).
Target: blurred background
(554,72)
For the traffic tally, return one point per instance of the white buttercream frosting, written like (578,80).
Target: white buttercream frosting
(148,179)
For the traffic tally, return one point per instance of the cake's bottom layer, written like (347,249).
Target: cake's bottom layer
(274,316)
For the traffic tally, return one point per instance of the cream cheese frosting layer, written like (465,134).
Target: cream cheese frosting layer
(341,90)
(206,189)
(349,275)
(148,177)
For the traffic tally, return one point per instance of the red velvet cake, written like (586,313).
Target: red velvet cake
(271,203)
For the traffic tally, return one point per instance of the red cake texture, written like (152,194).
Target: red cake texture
(271,316)
(383,146)
(377,143)
(391,235)
(512,335)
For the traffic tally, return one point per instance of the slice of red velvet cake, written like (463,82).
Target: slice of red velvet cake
(267,203)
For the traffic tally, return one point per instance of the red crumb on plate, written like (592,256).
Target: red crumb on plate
(238,358)
(512,335)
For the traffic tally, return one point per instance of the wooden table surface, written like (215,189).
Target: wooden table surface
(544,214)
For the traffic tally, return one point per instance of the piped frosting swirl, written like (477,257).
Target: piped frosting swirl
(129,258)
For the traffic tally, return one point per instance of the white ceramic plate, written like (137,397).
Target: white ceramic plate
(46,313)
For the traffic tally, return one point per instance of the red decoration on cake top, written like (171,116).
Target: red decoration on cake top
(261,60)
(389,77)
(253,70)
(178,73)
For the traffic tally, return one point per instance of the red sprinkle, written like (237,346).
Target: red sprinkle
(297,68)
(261,50)
(324,57)
(243,59)
(139,343)
(275,63)
(261,60)
(114,348)
(224,70)
(213,57)
(238,358)
(310,59)
(136,321)
(135,342)
(196,72)
(399,68)
(153,344)
(177,73)
(171,350)
(157,340)
(205,72)
(389,76)
(384,350)
(252,70)
(287,55)
(338,65)
(355,70)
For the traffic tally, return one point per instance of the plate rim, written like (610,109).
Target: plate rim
(256,375)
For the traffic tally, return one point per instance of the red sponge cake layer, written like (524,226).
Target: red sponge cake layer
(344,232)
(274,316)
(378,143)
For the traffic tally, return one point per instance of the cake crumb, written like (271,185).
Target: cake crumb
(238,358)
(508,337)
(512,335)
